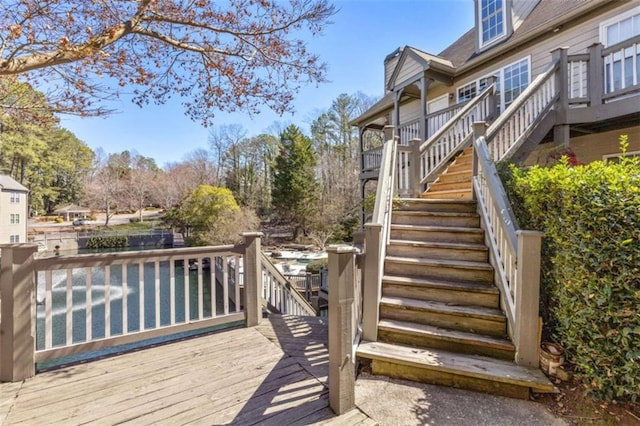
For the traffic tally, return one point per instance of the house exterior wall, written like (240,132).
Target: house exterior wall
(589,148)
(583,33)
(521,9)
(389,66)
(8,208)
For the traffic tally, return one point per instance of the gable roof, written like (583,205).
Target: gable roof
(7,183)
(425,60)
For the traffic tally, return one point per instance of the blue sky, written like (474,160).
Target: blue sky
(354,47)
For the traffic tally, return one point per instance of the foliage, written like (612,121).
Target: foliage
(591,218)
(295,187)
(315,266)
(238,54)
(107,242)
(210,215)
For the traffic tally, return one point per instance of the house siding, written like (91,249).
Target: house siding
(520,10)
(409,69)
(589,148)
(409,112)
(389,66)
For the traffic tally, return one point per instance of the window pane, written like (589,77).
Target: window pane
(628,71)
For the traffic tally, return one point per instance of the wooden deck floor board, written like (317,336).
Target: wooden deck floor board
(271,374)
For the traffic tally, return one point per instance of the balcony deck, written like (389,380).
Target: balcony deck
(272,374)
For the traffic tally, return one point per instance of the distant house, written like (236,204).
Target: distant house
(13,211)
(72,211)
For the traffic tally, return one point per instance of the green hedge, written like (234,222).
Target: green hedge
(591,275)
(107,242)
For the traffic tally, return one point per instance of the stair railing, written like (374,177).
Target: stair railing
(436,152)
(512,128)
(280,294)
(377,237)
(514,254)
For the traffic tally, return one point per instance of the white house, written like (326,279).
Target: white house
(13,211)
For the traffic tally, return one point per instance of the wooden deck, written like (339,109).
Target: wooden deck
(272,374)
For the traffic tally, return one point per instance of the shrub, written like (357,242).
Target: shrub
(59,219)
(591,275)
(315,266)
(107,242)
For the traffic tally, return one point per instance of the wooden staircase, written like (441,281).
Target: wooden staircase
(455,181)
(440,319)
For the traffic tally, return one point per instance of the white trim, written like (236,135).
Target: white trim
(502,34)
(620,154)
(614,20)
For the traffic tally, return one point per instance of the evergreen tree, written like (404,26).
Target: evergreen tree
(295,187)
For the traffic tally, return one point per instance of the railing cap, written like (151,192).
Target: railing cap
(340,248)
(252,234)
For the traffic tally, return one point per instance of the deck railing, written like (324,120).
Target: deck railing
(511,129)
(443,145)
(81,303)
(436,120)
(280,294)
(514,254)
(408,131)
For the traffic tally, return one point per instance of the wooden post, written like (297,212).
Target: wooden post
(18,310)
(479,131)
(341,333)
(371,280)
(252,278)
(527,297)
(561,133)
(416,175)
(596,83)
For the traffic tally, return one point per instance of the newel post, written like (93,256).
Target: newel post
(18,309)
(252,278)
(527,297)
(479,129)
(416,172)
(595,84)
(341,332)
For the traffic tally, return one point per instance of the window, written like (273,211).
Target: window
(616,157)
(510,82)
(622,66)
(14,238)
(15,197)
(14,218)
(492,21)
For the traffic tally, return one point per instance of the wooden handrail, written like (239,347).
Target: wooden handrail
(514,254)
(521,100)
(286,286)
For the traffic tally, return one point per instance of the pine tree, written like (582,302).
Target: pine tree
(295,187)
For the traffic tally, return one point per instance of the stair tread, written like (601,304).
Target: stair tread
(437,228)
(477,366)
(453,285)
(466,264)
(448,191)
(446,334)
(434,201)
(437,244)
(438,214)
(482,312)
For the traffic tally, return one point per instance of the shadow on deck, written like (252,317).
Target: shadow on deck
(275,373)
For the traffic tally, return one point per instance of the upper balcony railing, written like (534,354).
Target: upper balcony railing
(604,74)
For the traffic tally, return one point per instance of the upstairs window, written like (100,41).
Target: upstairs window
(492,21)
(621,66)
(15,197)
(14,219)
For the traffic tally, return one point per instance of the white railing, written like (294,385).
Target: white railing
(377,237)
(280,294)
(450,139)
(93,301)
(514,254)
(511,129)
(438,119)
(408,131)
(578,78)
